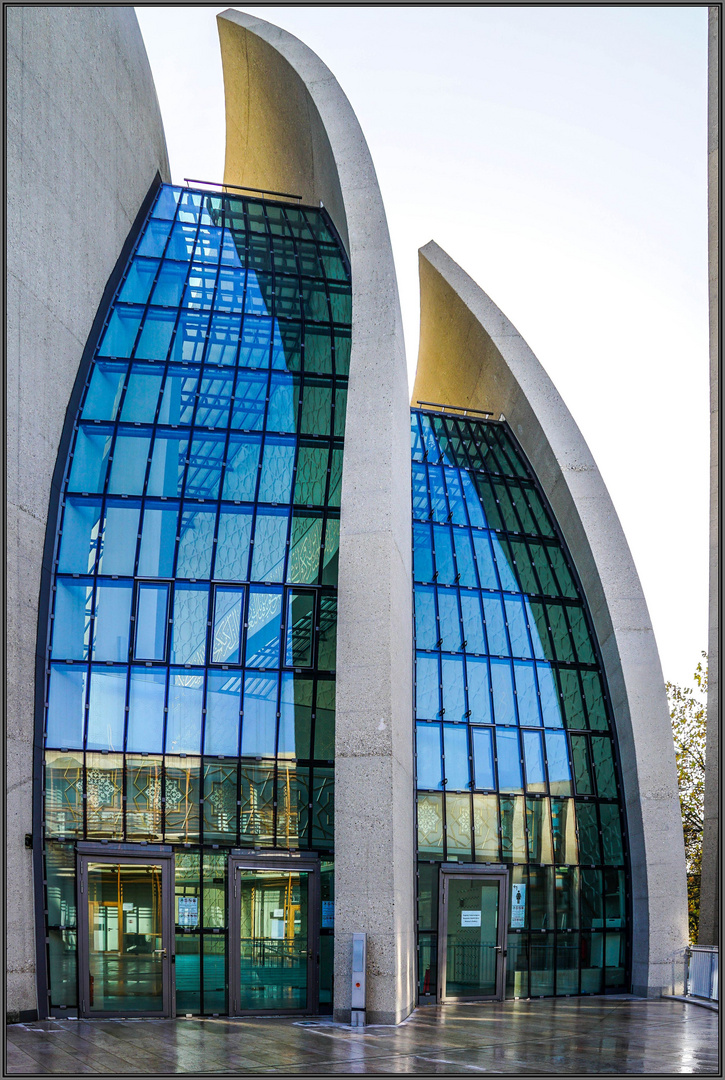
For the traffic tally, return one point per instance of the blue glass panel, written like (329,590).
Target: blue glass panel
(164,207)
(154,238)
(140,278)
(188,639)
(107,708)
(430,446)
(158,540)
(90,458)
(445,569)
(156,334)
(422,553)
(508,759)
(66,706)
(190,339)
(464,558)
(270,540)
(249,401)
(549,696)
(215,396)
(483,758)
(205,466)
(240,476)
(79,542)
(503,692)
(177,404)
(479,694)
(254,348)
(534,759)
(259,721)
(438,502)
(454,701)
(275,483)
(495,629)
(472,623)
(455,497)
(527,698)
(71,622)
(557,759)
(448,620)
(189,206)
(112,621)
(183,724)
(130,457)
(196,536)
(517,627)
(505,570)
(230,291)
(151,617)
(282,409)
(263,633)
(254,302)
(429,757)
(199,291)
(121,332)
(168,461)
(427,703)
(416,443)
(484,561)
(455,744)
(146,699)
(224,333)
(426,634)
(119,537)
(181,242)
(104,391)
(223,704)
(227,625)
(208,244)
(232,548)
(473,503)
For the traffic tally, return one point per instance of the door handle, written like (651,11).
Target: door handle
(498,948)
(161,951)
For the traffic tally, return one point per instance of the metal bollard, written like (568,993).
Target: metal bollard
(359,971)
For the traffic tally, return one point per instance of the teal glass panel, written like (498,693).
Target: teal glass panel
(504,561)
(303,565)
(612,847)
(282,408)
(270,545)
(90,459)
(588,832)
(572,698)
(275,482)
(604,767)
(142,392)
(591,896)
(311,476)
(232,548)
(594,697)
(264,625)
(580,634)
(120,334)
(327,638)
(580,761)
(516,624)
(549,696)
(300,626)
(324,748)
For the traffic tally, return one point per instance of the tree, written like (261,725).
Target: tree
(688,708)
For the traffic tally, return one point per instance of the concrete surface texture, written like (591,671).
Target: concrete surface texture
(85,141)
(472,356)
(291,128)
(564,1036)
(709,930)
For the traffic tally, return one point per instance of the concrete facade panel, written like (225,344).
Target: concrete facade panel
(85,141)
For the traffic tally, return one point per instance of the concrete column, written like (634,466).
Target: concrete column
(290,128)
(709,931)
(85,142)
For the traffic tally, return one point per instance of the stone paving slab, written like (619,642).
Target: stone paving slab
(565,1036)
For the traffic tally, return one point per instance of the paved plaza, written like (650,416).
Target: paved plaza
(574,1036)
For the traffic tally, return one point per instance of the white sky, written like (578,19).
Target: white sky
(559,155)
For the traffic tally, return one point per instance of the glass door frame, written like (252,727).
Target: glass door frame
(125,854)
(307,863)
(472,871)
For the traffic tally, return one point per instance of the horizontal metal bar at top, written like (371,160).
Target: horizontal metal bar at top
(458,408)
(238,187)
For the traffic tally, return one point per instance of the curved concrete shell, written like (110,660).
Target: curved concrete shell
(85,142)
(471,356)
(290,128)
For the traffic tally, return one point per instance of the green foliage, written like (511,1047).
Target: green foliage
(688,709)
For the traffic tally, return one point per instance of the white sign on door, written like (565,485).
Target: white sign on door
(518,906)
(470,918)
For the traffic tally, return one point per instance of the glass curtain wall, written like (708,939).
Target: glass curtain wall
(190,676)
(515,751)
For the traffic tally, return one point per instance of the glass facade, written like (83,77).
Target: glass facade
(516,761)
(190,676)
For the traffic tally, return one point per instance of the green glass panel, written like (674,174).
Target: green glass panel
(300,623)
(560,633)
(573,704)
(257,804)
(214,913)
(563,821)
(292,805)
(513,835)
(614,961)
(427,896)
(542,965)
(325,720)
(580,761)
(567,897)
(611,834)
(591,897)
(485,828)
(430,825)
(318,350)
(542,518)
(540,555)
(303,566)
(506,508)
(187,890)
(519,498)
(588,831)
(614,898)
(604,767)
(580,633)
(342,351)
(540,631)
(517,966)
(340,411)
(335,477)
(488,500)
(538,826)
(567,964)
(563,574)
(327,640)
(541,898)
(62,966)
(322,812)
(60,889)
(592,963)
(220,802)
(187,974)
(316,409)
(523,567)
(594,698)
(63,794)
(311,476)
(273,939)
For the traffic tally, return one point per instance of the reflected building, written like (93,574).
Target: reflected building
(290,681)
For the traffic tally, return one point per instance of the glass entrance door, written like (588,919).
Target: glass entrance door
(124,937)
(472,935)
(276,953)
